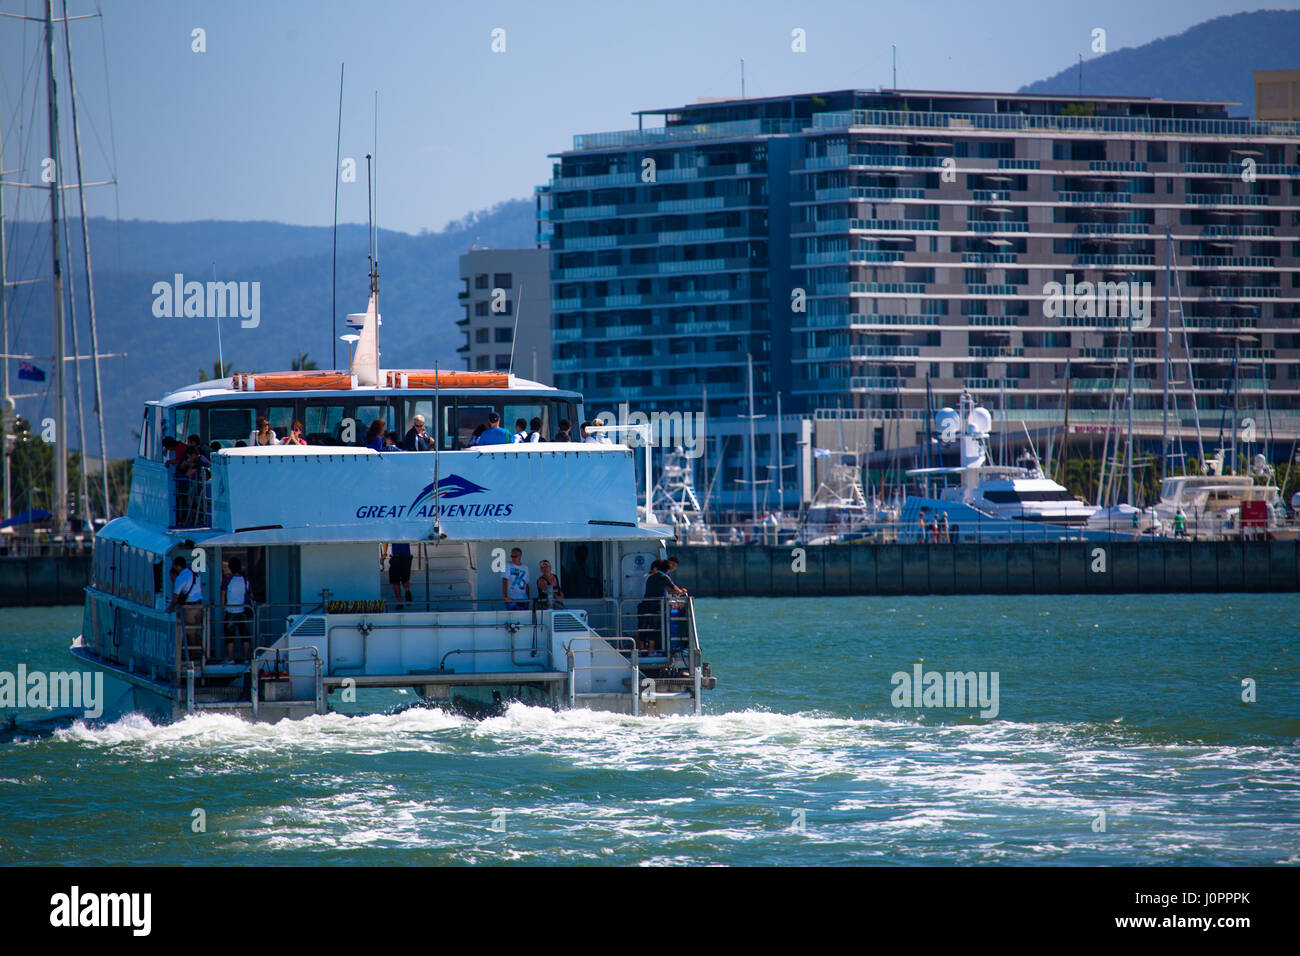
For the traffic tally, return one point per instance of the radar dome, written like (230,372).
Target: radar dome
(980,422)
(947,422)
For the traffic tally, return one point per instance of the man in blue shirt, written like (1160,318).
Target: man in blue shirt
(495,434)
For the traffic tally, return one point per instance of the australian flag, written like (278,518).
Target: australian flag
(30,372)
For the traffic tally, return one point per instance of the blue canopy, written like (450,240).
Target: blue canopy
(27,517)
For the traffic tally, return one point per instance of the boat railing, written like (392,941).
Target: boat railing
(589,646)
(190,500)
(271,667)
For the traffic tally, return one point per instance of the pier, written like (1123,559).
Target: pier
(1067,567)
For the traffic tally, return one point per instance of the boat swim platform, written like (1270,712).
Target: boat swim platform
(445,678)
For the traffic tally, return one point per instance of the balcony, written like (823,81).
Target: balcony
(1040,123)
(1224,199)
(663,135)
(1240,292)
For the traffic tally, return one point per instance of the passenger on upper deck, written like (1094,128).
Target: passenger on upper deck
(563,433)
(191,488)
(390,441)
(264,435)
(375,435)
(535,430)
(521,432)
(495,434)
(174,452)
(295,436)
(478,433)
(416,439)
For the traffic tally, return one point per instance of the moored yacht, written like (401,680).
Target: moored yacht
(989,502)
(1215,506)
(318,617)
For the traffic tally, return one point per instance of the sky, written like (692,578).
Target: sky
(245,129)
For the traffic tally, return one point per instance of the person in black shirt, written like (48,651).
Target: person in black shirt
(563,433)
(651,610)
(417,439)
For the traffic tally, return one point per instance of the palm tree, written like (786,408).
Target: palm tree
(219,370)
(302,364)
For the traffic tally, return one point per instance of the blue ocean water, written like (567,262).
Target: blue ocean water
(1121,738)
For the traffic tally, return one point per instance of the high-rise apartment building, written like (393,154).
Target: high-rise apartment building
(502,285)
(860,246)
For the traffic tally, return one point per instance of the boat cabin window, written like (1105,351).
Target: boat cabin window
(281,419)
(230,425)
(185,422)
(150,434)
(324,424)
(464,420)
(365,414)
(1013,497)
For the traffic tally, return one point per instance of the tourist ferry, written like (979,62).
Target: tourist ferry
(309,526)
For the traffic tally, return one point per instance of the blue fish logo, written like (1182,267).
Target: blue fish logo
(453,486)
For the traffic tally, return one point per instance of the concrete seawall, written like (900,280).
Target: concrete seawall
(1075,567)
(43,581)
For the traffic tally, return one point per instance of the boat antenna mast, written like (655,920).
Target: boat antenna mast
(334,250)
(438,533)
(370,229)
(514,336)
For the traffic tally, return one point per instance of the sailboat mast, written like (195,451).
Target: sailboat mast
(5,401)
(60,504)
(780,460)
(90,281)
(753,466)
(1129,449)
(1164,427)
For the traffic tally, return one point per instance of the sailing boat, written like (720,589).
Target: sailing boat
(59,500)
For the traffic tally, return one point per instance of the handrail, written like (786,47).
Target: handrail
(696,666)
(261,653)
(633,663)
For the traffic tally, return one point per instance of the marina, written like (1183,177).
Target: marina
(854,474)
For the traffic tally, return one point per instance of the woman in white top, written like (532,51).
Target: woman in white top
(264,434)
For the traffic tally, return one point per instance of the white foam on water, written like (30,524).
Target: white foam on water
(327,731)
